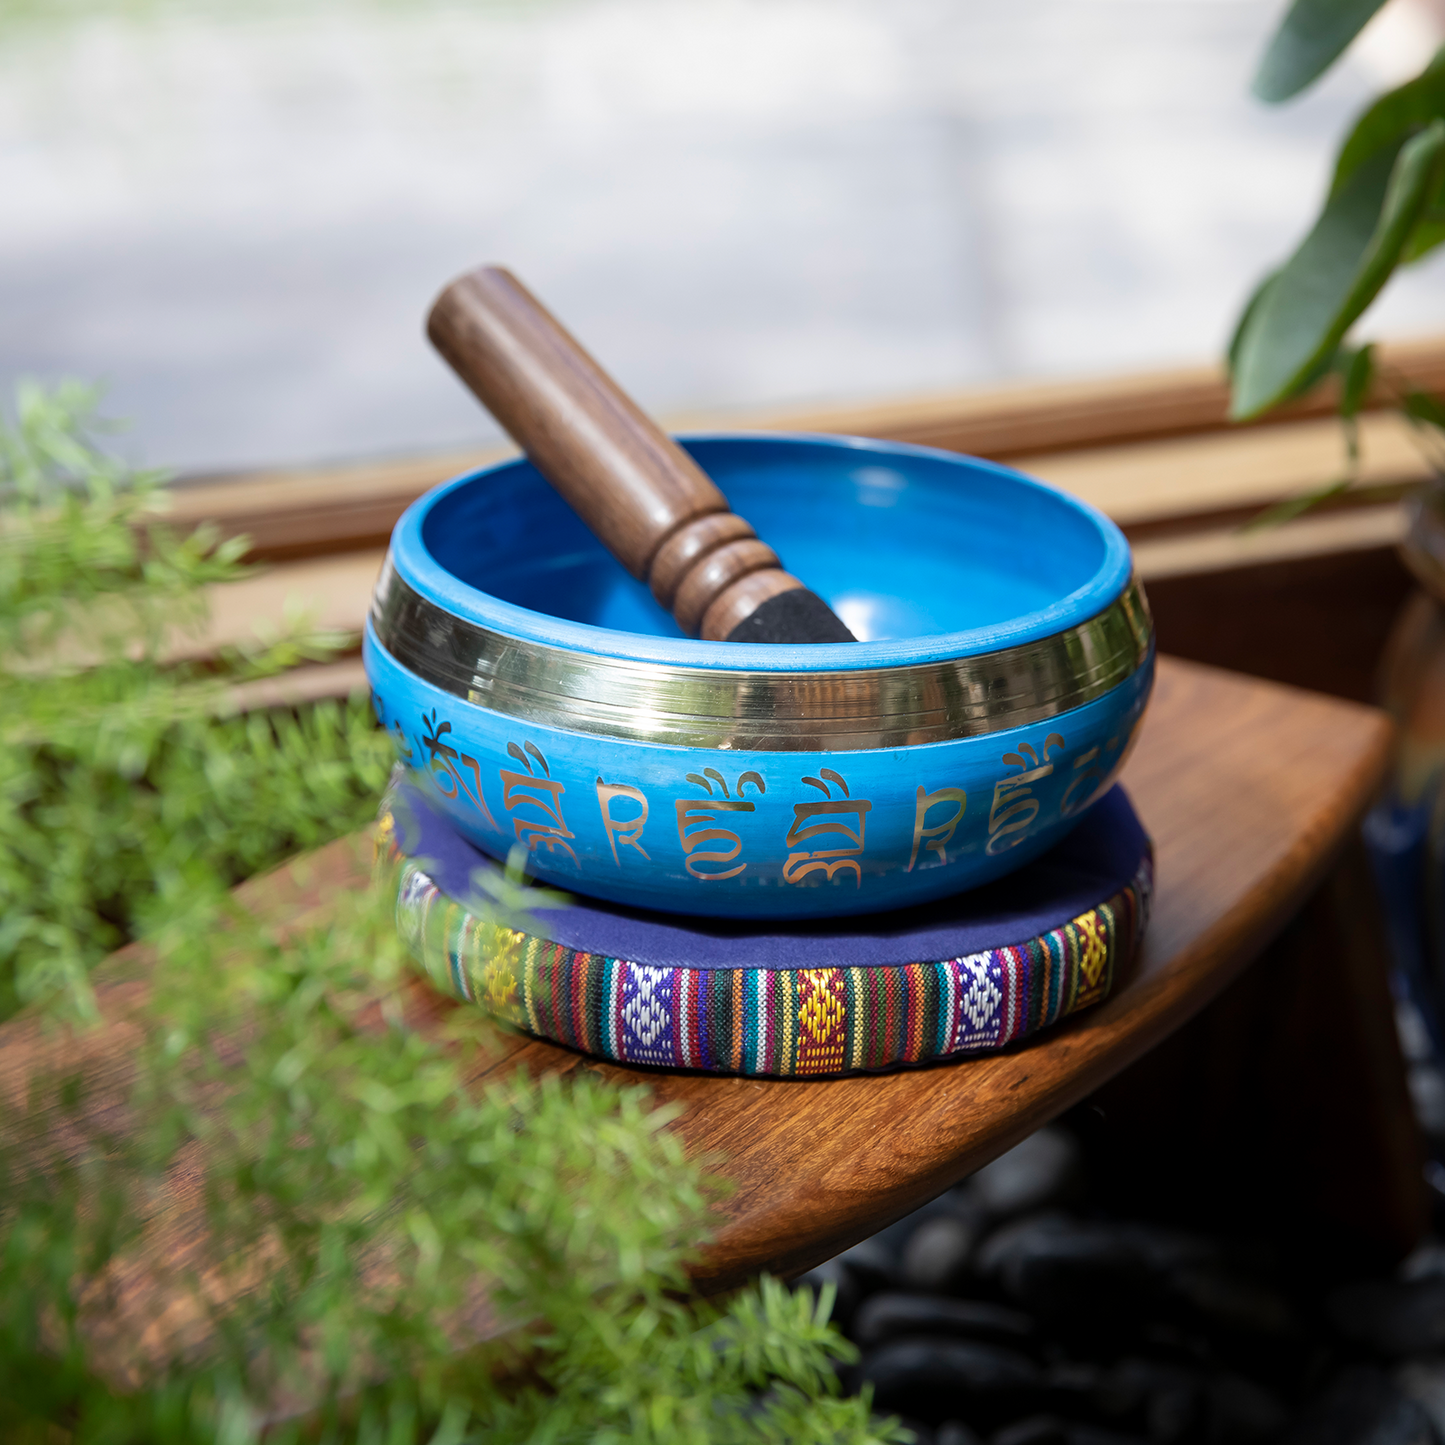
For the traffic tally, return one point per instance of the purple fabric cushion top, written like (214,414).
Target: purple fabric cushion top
(1095,861)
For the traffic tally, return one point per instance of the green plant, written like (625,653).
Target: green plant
(1385,208)
(121,784)
(360,1202)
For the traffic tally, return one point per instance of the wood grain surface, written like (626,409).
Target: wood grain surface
(1249,790)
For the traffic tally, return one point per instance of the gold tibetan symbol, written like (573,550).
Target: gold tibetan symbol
(813,820)
(627,831)
(938,835)
(696,815)
(443,759)
(1084,785)
(1014,805)
(543,795)
(1095,769)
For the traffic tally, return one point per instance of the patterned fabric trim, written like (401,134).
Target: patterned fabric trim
(777,1022)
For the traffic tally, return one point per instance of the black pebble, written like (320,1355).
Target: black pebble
(1036,1430)
(1241,1412)
(949,1379)
(1087,1279)
(1165,1402)
(1105,1281)
(890,1315)
(938,1253)
(1224,1298)
(1050,1430)
(1046,1169)
(955,1432)
(1361,1408)
(872,1265)
(1393,1318)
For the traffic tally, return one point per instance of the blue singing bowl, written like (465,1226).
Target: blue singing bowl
(543,698)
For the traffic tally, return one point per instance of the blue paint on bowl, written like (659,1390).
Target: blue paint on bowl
(928,555)
(947,556)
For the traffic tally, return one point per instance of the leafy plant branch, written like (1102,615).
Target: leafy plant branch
(360,1210)
(1385,208)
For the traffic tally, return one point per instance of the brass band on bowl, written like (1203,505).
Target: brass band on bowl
(649,702)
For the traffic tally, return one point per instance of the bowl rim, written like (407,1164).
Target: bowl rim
(412,561)
(655,704)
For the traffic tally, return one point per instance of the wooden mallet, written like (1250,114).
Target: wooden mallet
(648,502)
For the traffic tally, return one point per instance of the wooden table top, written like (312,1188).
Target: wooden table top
(1248,789)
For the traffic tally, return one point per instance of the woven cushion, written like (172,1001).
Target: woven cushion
(964,976)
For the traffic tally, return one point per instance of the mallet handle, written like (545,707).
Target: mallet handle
(648,502)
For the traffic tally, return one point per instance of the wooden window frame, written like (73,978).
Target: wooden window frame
(1155,451)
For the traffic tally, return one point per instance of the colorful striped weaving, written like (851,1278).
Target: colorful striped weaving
(784,1022)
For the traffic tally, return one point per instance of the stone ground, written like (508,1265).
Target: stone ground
(1021,1309)
(236,215)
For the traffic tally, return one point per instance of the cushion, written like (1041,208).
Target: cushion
(964,976)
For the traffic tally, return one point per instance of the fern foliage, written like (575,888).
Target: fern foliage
(389,1253)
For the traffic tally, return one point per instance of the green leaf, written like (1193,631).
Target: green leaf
(1311,37)
(1392,119)
(1292,507)
(1423,407)
(1337,271)
(1236,341)
(1425,237)
(1357,376)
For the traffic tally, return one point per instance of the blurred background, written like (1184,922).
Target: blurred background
(236,214)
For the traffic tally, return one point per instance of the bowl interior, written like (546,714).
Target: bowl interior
(901,542)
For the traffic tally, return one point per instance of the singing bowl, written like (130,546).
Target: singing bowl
(543,698)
